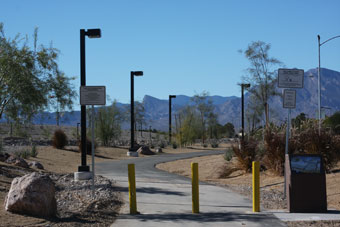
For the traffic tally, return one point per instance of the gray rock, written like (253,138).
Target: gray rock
(32,194)
(36,165)
(17,161)
(145,150)
(4,157)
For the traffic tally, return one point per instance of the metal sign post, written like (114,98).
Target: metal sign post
(92,148)
(289,78)
(92,95)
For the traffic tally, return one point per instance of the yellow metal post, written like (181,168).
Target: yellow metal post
(195,190)
(132,189)
(256,187)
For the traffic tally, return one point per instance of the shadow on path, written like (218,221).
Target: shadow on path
(264,219)
(151,190)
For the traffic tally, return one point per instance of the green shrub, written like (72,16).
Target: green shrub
(205,145)
(22,153)
(228,154)
(174,145)
(214,143)
(245,154)
(59,139)
(34,151)
(161,144)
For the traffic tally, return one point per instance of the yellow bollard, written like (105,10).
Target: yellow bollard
(195,190)
(132,189)
(256,187)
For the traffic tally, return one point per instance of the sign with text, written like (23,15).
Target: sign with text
(290,78)
(289,99)
(92,95)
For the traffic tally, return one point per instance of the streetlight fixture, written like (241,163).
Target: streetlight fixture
(242,111)
(132,141)
(91,33)
(319,77)
(170,97)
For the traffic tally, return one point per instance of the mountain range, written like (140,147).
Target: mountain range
(228,109)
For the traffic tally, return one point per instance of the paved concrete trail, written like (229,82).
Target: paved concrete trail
(164,199)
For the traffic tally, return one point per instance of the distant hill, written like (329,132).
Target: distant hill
(228,109)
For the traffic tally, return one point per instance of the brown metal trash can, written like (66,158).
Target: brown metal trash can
(305,184)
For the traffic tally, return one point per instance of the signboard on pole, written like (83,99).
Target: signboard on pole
(290,78)
(92,95)
(289,99)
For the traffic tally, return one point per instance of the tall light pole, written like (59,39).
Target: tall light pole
(319,77)
(91,33)
(242,104)
(170,97)
(132,141)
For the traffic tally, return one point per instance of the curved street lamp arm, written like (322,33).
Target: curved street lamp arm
(338,36)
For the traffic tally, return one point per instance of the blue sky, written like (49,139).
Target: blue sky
(183,46)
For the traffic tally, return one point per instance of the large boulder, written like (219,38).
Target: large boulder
(32,194)
(145,150)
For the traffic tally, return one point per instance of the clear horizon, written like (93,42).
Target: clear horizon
(183,47)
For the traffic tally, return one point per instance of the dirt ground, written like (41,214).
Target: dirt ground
(218,171)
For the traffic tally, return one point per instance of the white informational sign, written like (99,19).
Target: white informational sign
(290,78)
(92,95)
(289,98)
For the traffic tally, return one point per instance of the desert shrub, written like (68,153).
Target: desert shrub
(205,145)
(174,145)
(34,151)
(59,139)
(88,146)
(228,154)
(325,144)
(304,140)
(274,155)
(245,154)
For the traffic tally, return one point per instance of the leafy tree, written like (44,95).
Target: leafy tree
(189,126)
(262,74)
(253,113)
(333,122)
(296,122)
(26,77)
(205,109)
(61,93)
(139,115)
(108,123)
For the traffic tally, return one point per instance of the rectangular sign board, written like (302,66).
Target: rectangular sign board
(289,98)
(92,95)
(290,78)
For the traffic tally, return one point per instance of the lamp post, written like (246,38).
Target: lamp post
(319,77)
(132,141)
(91,33)
(170,97)
(242,111)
